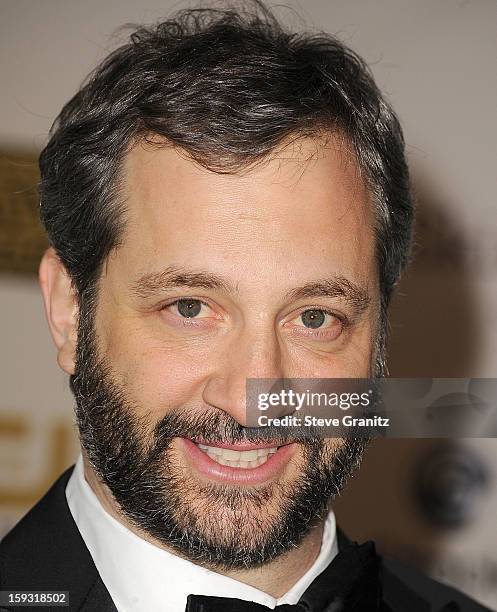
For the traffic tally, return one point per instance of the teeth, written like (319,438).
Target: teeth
(241,459)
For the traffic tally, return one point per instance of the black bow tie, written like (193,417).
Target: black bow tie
(349,584)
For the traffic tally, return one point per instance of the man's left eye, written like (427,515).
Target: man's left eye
(190,308)
(317,319)
(317,324)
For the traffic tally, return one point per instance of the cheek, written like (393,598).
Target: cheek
(158,376)
(351,360)
(357,361)
(333,445)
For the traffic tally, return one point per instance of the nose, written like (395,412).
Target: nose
(249,355)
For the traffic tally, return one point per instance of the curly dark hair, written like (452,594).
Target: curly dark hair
(227,86)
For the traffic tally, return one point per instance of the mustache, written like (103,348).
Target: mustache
(216,425)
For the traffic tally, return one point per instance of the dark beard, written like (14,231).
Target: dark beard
(220,526)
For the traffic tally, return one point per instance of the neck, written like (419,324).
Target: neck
(274,578)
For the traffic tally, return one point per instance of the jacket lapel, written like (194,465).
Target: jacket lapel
(45,552)
(97,598)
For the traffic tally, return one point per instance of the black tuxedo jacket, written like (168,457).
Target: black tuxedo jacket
(45,552)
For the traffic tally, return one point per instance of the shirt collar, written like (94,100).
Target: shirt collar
(138,574)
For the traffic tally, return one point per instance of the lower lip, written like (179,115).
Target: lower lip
(206,466)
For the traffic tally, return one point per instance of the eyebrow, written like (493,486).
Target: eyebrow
(338,286)
(171,277)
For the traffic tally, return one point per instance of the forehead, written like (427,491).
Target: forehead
(305,205)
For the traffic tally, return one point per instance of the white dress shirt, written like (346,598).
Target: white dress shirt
(140,576)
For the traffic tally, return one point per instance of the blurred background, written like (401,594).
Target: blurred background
(429,503)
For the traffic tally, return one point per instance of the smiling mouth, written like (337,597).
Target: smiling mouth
(240,464)
(245,459)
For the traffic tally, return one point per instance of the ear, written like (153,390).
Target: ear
(61,308)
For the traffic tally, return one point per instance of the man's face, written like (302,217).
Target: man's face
(266,273)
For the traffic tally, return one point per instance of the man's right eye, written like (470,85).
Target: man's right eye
(190,308)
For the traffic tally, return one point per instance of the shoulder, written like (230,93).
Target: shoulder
(45,549)
(405,589)
(402,583)
(45,552)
